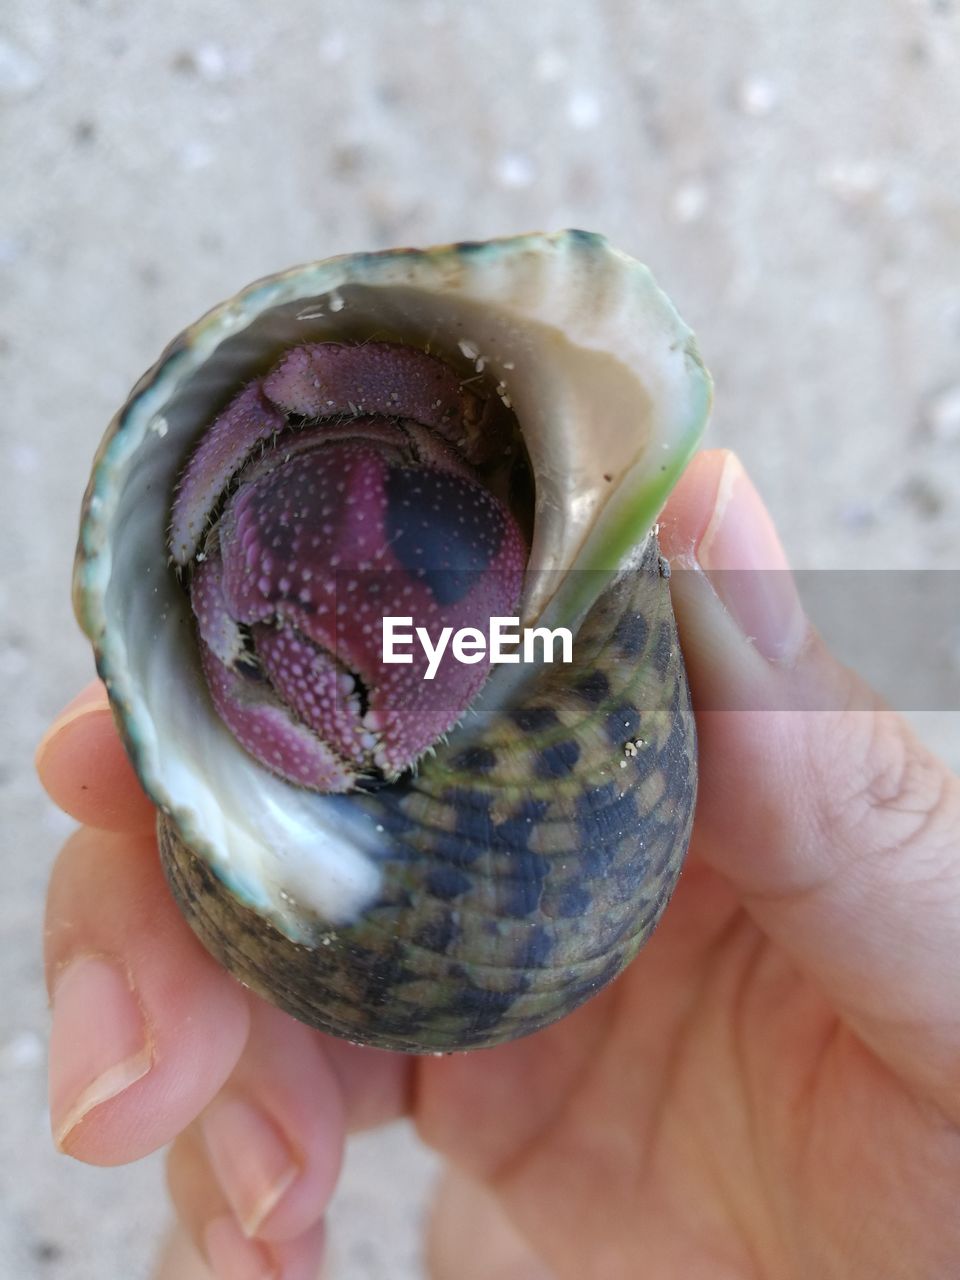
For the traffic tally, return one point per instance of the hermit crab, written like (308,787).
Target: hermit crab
(446,438)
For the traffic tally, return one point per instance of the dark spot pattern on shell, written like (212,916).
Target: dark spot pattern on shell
(593,687)
(475,760)
(631,634)
(534,719)
(557,760)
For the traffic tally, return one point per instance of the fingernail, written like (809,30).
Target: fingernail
(231,1256)
(99,1044)
(249,1157)
(745,561)
(92,698)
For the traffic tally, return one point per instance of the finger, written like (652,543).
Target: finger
(215,1232)
(146,1026)
(274,1136)
(835,825)
(84,768)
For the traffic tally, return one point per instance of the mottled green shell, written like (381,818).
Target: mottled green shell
(522,869)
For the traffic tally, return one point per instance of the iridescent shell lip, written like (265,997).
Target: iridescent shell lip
(571,293)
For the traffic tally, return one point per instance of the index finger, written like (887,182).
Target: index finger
(84,768)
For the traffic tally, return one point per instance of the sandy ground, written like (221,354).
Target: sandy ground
(790,172)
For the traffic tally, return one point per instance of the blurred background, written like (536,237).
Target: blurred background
(791,173)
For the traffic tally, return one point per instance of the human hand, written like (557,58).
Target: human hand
(772,1088)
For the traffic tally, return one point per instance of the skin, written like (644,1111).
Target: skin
(771,1090)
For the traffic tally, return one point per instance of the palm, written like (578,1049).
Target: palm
(707,1116)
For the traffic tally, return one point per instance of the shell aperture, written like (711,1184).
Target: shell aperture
(342,502)
(523,860)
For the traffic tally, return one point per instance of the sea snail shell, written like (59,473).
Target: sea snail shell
(449,886)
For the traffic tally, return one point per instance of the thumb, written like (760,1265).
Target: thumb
(837,828)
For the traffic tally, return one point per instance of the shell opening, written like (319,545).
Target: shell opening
(353,483)
(593,361)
